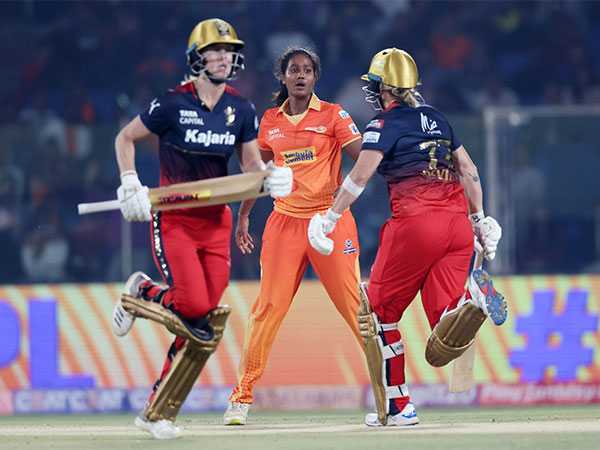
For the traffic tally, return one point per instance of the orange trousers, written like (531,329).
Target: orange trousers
(285,255)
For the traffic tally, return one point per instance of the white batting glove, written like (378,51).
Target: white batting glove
(488,233)
(319,227)
(133,198)
(280,180)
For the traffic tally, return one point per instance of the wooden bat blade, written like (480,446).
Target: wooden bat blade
(213,191)
(461,373)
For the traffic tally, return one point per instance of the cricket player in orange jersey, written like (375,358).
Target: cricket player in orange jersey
(308,135)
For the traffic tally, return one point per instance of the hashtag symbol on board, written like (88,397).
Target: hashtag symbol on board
(570,325)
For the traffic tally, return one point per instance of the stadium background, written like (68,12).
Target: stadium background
(520,81)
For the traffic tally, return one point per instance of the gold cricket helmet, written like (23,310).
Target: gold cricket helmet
(211,32)
(393,67)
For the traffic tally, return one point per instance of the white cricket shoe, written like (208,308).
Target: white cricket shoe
(408,416)
(236,413)
(161,429)
(122,321)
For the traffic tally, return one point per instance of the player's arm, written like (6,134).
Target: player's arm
(356,180)
(469,178)
(323,224)
(133,197)
(250,157)
(487,229)
(353,148)
(124,143)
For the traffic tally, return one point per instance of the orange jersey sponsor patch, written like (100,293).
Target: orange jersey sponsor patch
(311,145)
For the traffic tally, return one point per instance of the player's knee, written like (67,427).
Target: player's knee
(191,306)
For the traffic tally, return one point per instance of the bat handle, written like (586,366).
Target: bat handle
(478,264)
(88,208)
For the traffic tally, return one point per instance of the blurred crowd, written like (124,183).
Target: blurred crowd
(74,72)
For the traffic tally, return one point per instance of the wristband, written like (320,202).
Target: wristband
(352,187)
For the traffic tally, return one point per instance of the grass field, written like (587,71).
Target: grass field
(572,428)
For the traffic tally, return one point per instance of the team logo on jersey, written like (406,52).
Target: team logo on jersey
(344,114)
(229,116)
(196,136)
(353,129)
(190,117)
(299,156)
(375,123)
(153,105)
(320,129)
(429,126)
(349,247)
(371,137)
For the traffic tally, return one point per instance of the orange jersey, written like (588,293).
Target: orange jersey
(311,144)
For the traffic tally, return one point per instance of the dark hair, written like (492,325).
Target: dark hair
(281,67)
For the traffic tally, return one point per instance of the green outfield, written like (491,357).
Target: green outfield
(572,428)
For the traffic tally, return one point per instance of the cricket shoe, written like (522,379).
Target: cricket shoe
(122,321)
(486,297)
(161,429)
(408,416)
(236,413)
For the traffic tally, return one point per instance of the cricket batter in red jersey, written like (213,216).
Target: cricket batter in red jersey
(199,125)
(308,135)
(427,244)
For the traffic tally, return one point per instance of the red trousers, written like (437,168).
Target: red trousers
(192,253)
(428,252)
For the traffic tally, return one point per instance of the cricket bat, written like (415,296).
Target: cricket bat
(194,194)
(461,373)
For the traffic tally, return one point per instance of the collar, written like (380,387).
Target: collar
(314,103)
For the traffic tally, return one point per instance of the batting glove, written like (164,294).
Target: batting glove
(319,227)
(280,180)
(133,197)
(488,233)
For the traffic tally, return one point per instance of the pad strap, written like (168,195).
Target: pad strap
(392,350)
(397,391)
(388,326)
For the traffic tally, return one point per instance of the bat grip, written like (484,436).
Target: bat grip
(88,208)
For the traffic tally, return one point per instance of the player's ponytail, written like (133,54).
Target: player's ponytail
(410,97)
(281,66)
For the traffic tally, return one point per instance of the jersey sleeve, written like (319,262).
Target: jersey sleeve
(262,134)
(249,129)
(156,116)
(379,135)
(345,129)
(455,141)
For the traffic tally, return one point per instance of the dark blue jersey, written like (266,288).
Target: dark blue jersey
(196,143)
(414,142)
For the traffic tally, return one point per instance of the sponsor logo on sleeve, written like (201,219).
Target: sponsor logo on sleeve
(375,123)
(344,114)
(353,129)
(371,137)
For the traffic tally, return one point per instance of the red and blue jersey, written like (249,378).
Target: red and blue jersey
(417,145)
(195,142)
